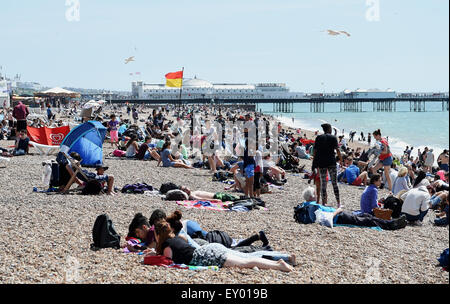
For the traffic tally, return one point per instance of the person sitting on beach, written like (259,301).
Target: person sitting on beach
(442,218)
(238,175)
(341,217)
(416,204)
(402,182)
(301,151)
(385,158)
(440,184)
(167,159)
(132,146)
(66,171)
(421,180)
(352,174)
(369,198)
(442,160)
(178,250)
(21,146)
(437,199)
(147,150)
(272,171)
(102,178)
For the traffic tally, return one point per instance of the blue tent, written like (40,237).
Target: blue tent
(87,140)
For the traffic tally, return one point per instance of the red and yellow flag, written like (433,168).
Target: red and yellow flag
(174,79)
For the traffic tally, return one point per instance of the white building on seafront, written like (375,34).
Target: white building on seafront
(194,88)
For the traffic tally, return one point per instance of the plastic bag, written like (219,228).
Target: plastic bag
(324,218)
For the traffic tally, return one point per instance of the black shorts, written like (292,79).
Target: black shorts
(257,181)
(21,125)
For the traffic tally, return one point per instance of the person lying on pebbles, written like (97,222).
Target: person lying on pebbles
(213,254)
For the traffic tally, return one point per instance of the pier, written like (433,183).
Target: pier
(417,102)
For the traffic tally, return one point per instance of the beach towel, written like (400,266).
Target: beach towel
(159,260)
(353,226)
(218,206)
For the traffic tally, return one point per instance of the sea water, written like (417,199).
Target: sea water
(403,128)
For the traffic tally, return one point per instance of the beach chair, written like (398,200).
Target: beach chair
(4,160)
(76,166)
(44,149)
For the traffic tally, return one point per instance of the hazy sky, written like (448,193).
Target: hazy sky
(238,41)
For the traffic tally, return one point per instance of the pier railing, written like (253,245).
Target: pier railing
(317,103)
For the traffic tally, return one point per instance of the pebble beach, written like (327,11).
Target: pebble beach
(45,238)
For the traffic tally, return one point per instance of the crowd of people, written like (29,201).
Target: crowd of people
(256,151)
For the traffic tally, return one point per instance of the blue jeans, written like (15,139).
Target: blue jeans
(189,239)
(193,227)
(147,155)
(19,152)
(413,218)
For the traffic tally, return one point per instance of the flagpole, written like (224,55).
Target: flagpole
(181,88)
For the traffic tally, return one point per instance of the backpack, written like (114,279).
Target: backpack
(92,187)
(394,204)
(167,187)
(220,176)
(443,259)
(304,214)
(119,153)
(103,234)
(220,237)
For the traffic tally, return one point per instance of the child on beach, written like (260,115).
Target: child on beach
(385,159)
(113,131)
(21,147)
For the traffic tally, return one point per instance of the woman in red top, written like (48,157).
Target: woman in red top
(385,158)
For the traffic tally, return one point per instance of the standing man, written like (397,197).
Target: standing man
(20,113)
(429,160)
(49,112)
(325,159)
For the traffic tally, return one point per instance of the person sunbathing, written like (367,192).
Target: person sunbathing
(339,216)
(213,254)
(210,196)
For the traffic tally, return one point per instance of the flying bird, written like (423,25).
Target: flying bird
(345,33)
(128,60)
(333,33)
(337,33)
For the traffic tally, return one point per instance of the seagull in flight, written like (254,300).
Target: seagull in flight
(336,33)
(128,60)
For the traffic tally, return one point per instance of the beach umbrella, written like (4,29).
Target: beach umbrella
(87,140)
(91,104)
